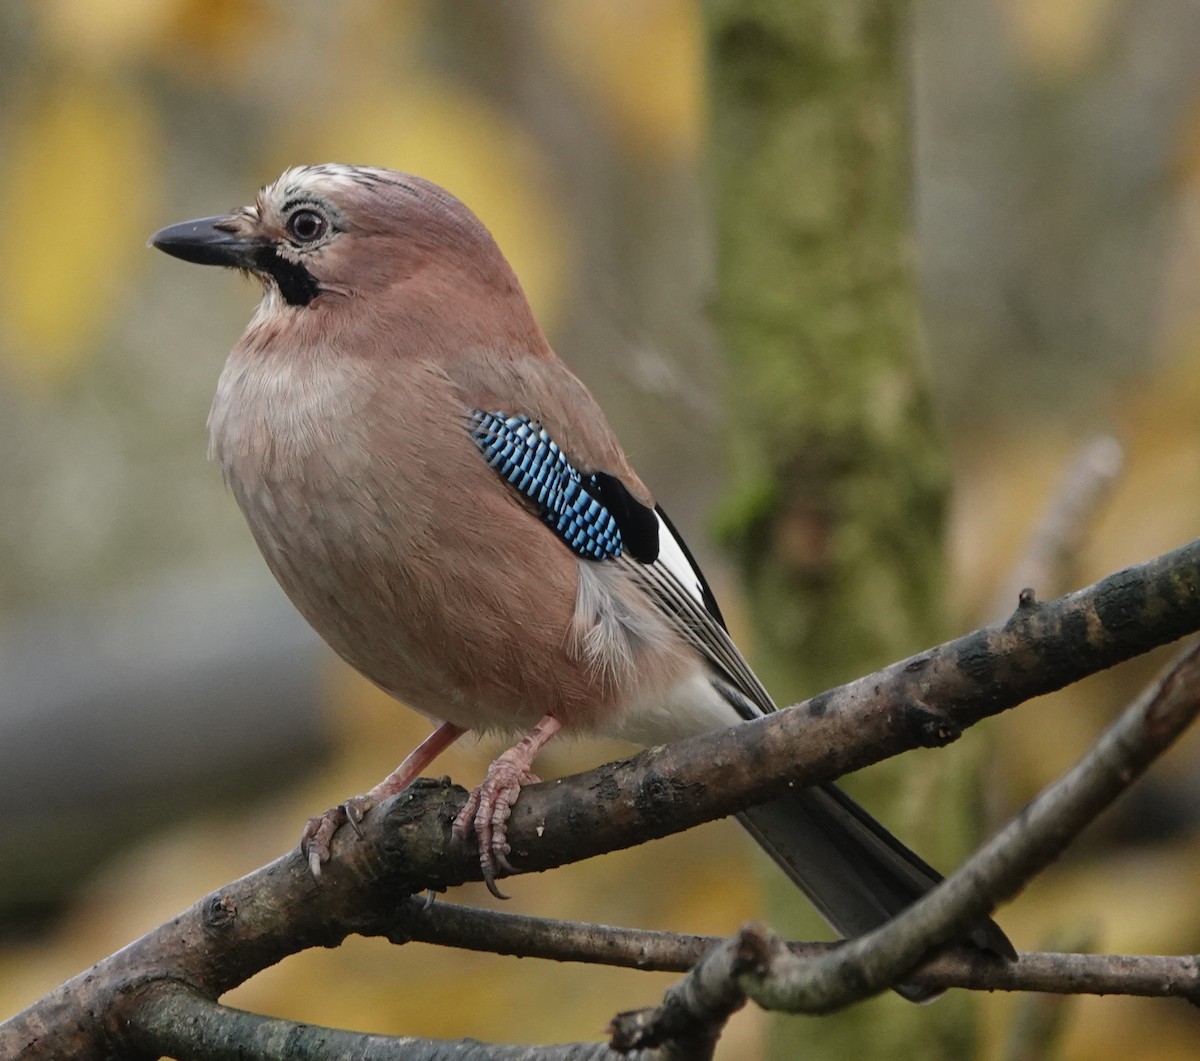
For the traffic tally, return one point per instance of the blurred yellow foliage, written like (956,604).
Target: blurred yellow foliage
(642,60)
(208,38)
(105,32)
(76,192)
(1061,38)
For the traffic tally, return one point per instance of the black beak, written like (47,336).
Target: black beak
(209,241)
(205,243)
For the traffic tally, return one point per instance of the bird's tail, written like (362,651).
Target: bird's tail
(855,872)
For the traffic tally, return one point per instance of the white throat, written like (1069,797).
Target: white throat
(275,411)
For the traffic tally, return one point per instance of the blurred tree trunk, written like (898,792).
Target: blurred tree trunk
(839,478)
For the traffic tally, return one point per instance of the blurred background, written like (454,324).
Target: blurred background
(167,723)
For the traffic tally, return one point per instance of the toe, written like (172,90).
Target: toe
(355,810)
(317,835)
(464,821)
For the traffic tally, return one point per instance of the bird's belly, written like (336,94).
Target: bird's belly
(449,622)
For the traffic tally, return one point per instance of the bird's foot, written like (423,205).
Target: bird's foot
(318,833)
(487,809)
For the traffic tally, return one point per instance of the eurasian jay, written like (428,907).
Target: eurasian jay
(446,504)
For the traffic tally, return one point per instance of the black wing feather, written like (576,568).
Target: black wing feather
(638,525)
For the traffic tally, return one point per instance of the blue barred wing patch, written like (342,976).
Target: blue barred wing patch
(569,502)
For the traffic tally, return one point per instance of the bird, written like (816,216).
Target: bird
(446,504)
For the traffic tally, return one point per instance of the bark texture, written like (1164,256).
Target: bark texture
(838,476)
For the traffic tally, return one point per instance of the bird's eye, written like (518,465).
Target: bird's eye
(305,226)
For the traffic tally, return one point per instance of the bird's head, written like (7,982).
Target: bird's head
(328,233)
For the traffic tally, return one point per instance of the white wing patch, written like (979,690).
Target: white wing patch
(675,560)
(678,589)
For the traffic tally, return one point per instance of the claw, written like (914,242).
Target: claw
(319,832)
(500,857)
(355,810)
(489,878)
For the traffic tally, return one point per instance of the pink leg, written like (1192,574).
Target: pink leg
(490,804)
(318,833)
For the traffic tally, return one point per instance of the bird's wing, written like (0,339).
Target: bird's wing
(592,512)
(599,518)
(571,471)
(677,586)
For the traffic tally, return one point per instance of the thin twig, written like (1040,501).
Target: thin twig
(879,959)
(493,932)
(1053,972)
(1053,546)
(1039,1020)
(177,1020)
